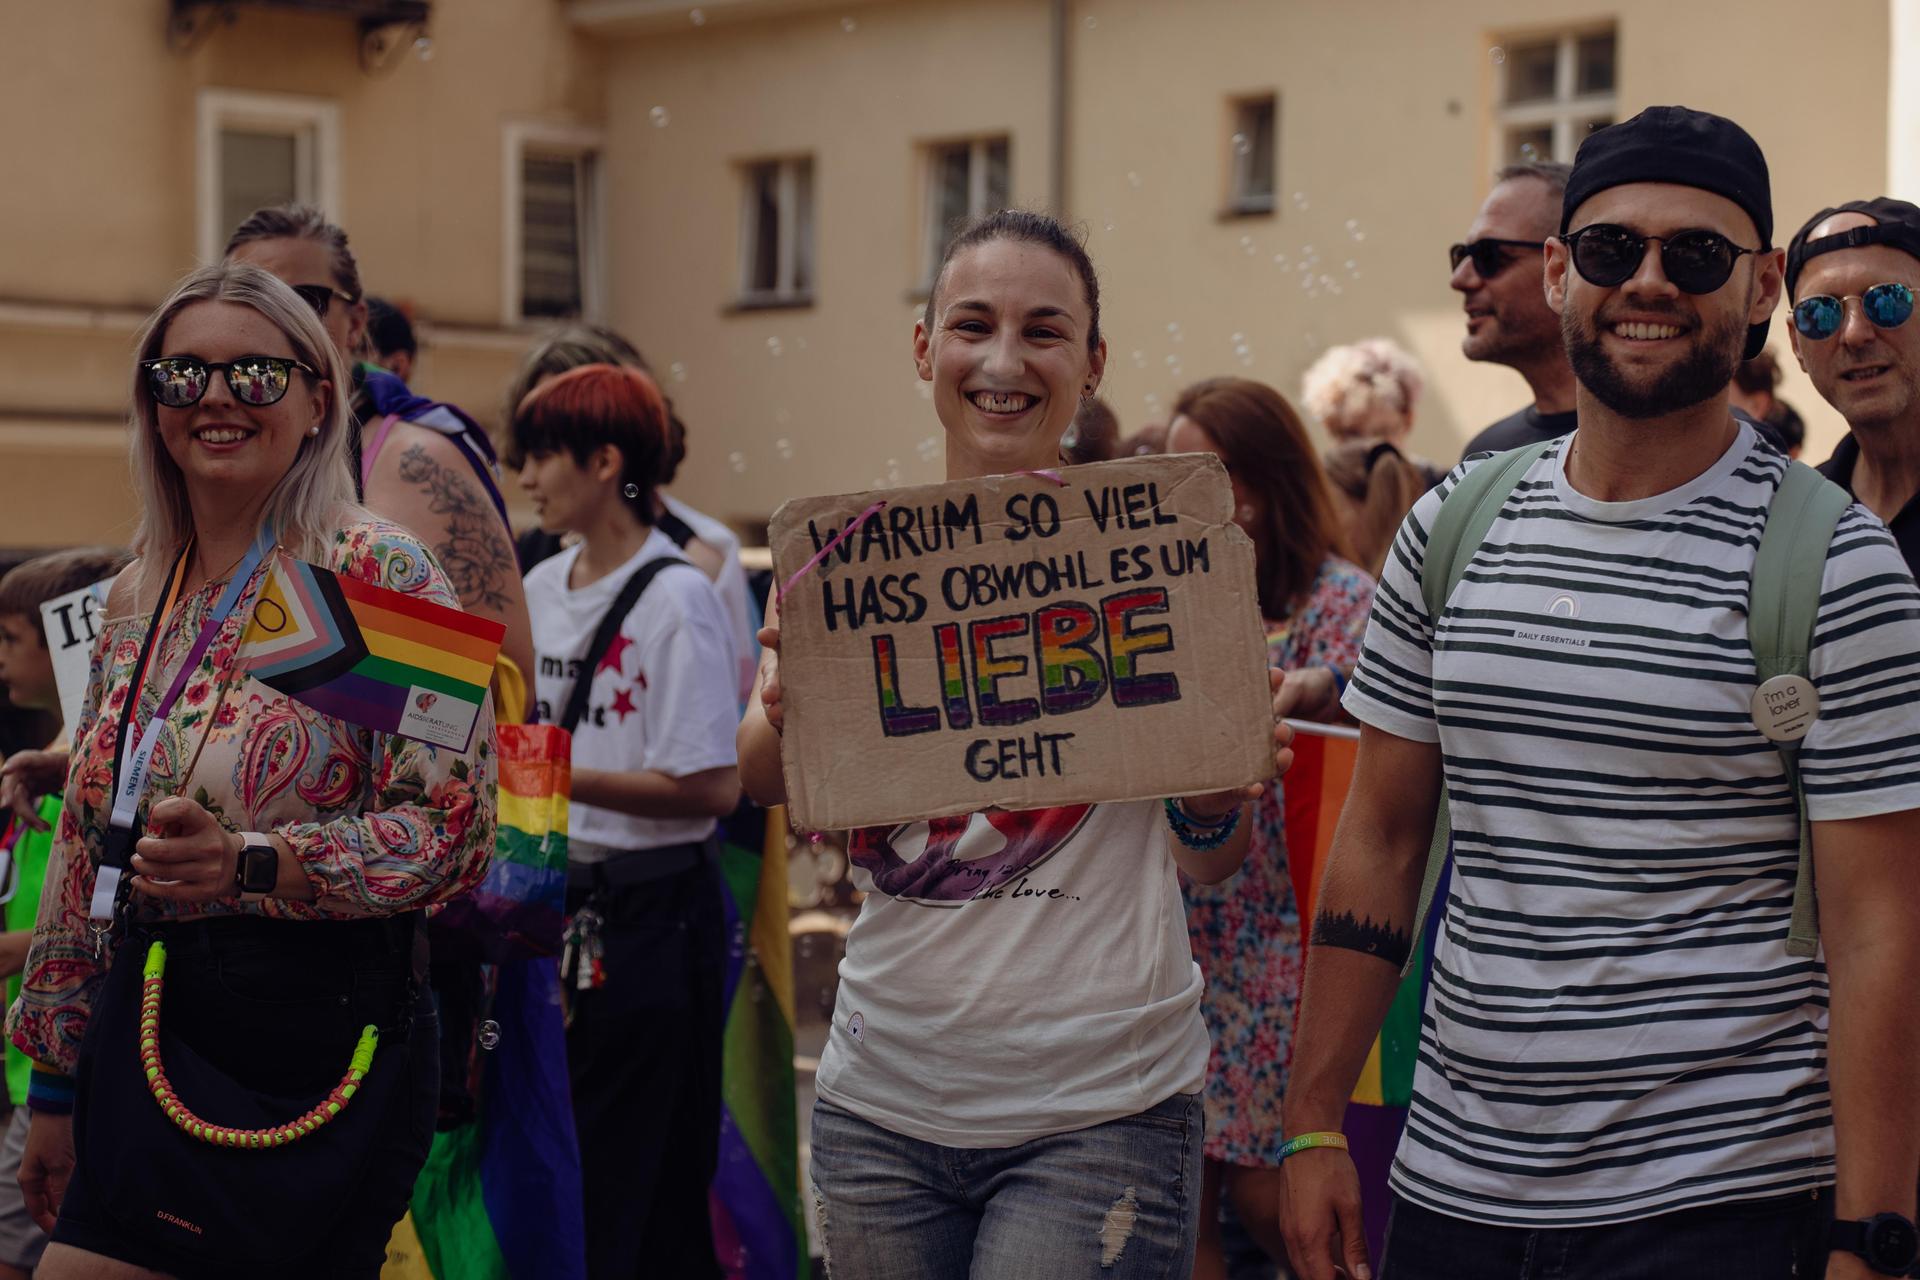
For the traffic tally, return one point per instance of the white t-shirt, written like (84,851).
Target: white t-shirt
(662,698)
(732,584)
(1027,975)
(1615,1029)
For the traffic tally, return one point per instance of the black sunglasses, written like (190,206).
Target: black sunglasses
(1819,317)
(1696,261)
(321,296)
(256,381)
(1490,257)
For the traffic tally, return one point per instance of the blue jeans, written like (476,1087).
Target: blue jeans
(1119,1201)
(1771,1239)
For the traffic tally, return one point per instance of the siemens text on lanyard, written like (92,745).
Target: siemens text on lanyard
(130,778)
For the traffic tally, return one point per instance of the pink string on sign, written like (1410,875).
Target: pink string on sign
(1045,475)
(780,595)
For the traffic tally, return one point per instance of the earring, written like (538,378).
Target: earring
(1245,512)
(631,491)
(314,430)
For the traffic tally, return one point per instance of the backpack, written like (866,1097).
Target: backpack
(1782,604)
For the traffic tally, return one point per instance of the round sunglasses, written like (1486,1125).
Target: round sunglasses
(256,381)
(1819,317)
(1696,261)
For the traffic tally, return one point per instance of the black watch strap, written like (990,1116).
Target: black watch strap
(257,869)
(1887,1242)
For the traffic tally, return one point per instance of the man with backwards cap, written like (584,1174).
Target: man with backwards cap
(1852,273)
(1623,1073)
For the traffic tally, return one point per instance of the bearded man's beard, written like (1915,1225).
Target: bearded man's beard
(1705,371)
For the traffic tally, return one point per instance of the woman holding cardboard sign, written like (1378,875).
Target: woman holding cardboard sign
(1011,1085)
(222,994)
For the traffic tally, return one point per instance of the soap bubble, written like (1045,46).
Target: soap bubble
(1242,145)
(1173,362)
(1092,22)
(660,117)
(738,461)
(679,370)
(1279,259)
(1529,152)
(775,346)
(698,17)
(893,471)
(849,26)
(1108,223)
(1237,339)
(1351,265)
(489,1036)
(1300,200)
(1139,359)
(929,448)
(1242,349)
(1174,331)
(1359,235)
(1246,245)
(1497,55)
(423,48)
(784,447)
(1135,181)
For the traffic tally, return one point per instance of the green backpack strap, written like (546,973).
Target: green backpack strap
(1460,526)
(1783,603)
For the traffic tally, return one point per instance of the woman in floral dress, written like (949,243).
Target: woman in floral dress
(1246,931)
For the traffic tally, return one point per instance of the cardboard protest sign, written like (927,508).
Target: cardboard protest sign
(1020,643)
(72,623)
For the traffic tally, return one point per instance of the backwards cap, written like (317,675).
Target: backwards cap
(1687,148)
(1898,225)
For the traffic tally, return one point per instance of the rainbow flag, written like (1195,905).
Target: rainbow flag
(380,659)
(1314,792)
(755,1198)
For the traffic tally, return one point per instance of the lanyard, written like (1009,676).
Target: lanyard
(135,755)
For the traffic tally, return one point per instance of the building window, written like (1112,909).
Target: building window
(551,259)
(1552,91)
(259,149)
(1252,155)
(776,233)
(965,180)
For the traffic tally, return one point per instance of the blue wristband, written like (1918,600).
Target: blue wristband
(49,1092)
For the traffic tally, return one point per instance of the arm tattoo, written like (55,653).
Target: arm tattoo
(1364,936)
(478,559)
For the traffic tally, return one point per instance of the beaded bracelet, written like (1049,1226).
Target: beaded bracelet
(1309,1140)
(1197,833)
(223,1135)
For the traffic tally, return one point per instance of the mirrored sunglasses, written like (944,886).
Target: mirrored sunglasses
(1695,261)
(256,381)
(1820,316)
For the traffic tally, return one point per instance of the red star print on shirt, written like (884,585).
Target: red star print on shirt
(623,704)
(616,654)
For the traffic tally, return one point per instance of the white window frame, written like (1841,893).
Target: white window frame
(933,240)
(1241,201)
(1567,112)
(517,138)
(313,124)
(787,240)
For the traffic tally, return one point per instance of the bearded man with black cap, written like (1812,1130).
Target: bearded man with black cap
(1626,1068)
(1852,273)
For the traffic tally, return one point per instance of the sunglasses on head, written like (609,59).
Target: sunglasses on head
(321,296)
(1490,257)
(1819,317)
(1696,261)
(256,381)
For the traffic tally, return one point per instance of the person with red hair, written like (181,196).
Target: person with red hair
(634,656)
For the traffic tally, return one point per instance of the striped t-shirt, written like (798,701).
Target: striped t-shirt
(1615,1028)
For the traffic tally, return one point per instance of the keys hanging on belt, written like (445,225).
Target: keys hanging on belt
(584,953)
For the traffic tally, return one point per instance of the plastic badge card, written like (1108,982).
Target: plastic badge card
(376,658)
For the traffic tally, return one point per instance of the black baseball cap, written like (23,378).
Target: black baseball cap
(1897,224)
(1687,148)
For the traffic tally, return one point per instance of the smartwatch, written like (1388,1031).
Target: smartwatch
(257,869)
(1888,1242)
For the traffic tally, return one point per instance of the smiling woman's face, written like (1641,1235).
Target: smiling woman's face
(1007,356)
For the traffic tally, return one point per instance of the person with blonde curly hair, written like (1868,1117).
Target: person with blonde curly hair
(1367,390)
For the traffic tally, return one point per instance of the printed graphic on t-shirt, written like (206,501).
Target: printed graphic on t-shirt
(619,703)
(953,860)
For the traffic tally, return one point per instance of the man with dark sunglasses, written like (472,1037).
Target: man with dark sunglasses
(1624,1070)
(1852,273)
(1497,273)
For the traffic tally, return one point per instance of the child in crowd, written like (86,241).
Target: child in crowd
(636,658)
(26,669)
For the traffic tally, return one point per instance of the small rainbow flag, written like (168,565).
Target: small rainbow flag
(377,658)
(1313,792)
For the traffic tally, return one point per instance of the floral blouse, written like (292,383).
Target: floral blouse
(380,824)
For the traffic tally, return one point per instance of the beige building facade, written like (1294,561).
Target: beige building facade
(753,190)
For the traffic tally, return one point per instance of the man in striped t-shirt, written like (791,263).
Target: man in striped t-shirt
(1623,1073)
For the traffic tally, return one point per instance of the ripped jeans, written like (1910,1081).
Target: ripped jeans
(1118,1201)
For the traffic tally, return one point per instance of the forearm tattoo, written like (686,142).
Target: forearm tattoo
(1364,936)
(478,558)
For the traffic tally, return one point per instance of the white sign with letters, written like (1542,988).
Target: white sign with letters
(72,623)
